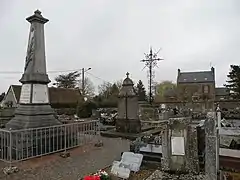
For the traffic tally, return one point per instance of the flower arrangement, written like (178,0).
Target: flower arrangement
(148,139)
(99,175)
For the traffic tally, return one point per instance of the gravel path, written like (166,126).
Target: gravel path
(159,175)
(83,160)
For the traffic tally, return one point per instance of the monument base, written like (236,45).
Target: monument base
(33,116)
(128,125)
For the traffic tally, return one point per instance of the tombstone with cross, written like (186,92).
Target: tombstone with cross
(128,113)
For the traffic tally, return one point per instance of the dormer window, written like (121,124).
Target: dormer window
(205,89)
(205,79)
(195,79)
(184,79)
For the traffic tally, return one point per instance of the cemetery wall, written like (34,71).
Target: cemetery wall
(147,112)
(228,104)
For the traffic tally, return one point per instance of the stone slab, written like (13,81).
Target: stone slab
(152,148)
(132,160)
(120,171)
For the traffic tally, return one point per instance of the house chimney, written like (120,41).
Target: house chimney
(212,69)
(179,71)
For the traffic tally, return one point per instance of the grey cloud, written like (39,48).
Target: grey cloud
(112,36)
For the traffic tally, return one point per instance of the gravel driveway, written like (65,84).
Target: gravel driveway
(83,160)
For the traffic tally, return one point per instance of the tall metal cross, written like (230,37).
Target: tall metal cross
(151,62)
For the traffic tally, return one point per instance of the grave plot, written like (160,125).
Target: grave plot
(149,146)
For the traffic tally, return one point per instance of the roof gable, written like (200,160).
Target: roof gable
(56,95)
(196,77)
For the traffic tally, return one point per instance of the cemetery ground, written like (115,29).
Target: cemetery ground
(82,161)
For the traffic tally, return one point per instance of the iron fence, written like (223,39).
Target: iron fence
(19,145)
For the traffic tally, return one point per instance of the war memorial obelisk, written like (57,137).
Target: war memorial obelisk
(34,109)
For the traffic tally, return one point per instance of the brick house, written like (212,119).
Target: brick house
(60,97)
(196,85)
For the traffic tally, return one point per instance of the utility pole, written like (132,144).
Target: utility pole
(151,62)
(83,82)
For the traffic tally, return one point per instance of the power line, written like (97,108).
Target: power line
(51,72)
(96,77)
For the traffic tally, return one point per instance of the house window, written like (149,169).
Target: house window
(205,89)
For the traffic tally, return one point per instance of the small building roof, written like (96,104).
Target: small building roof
(222,91)
(56,95)
(195,77)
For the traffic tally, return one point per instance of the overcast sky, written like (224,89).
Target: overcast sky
(111,36)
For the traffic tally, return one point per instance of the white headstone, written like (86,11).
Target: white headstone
(132,160)
(152,148)
(163,106)
(120,171)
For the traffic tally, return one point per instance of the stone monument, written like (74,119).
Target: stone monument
(179,146)
(34,109)
(128,111)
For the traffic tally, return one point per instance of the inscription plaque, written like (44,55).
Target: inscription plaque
(25,94)
(177,144)
(40,94)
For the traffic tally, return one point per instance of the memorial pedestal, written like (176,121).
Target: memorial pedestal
(34,109)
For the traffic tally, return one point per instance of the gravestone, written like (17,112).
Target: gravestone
(163,115)
(179,146)
(128,113)
(34,109)
(210,147)
(129,162)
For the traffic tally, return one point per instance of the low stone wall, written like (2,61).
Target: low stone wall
(147,112)
(198,106)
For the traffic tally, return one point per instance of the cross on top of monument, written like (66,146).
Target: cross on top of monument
(37,17)
(37,12)
(127,74)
